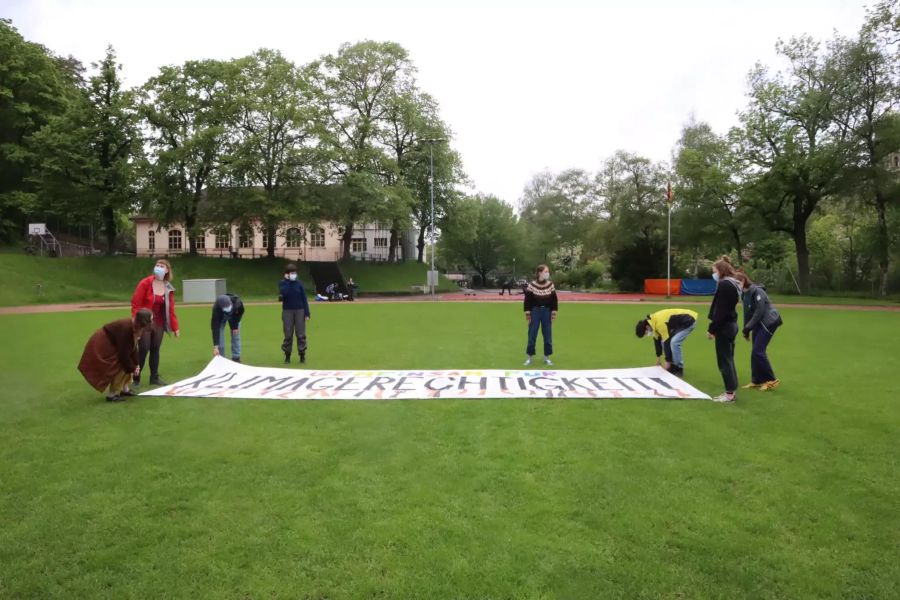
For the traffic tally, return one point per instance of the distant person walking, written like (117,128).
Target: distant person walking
(669,329)
(723,325)
(157,294)
(541,306)
(110,358)
(761,319)
(507,286)
(294,313)
(227,310)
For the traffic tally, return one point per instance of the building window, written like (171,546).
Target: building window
(174,239)
(200,242)
(151,240)
(265,239)
(358,245)
(317,237)
(245,237)
(381,242)
(293,238)
(223,240)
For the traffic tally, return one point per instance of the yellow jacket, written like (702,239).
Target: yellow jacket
(659,321)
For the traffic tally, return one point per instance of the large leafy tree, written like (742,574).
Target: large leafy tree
(479,231)
(35,86)
(270,149)
(186,113)
(355,91)
(789,142)
(88,154)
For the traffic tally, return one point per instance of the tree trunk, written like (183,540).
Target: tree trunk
(190,221)
(109,229)
(484,277)
(346,238)
(802,256)
(270,233)
(420,245)
(392,252)
(884,255)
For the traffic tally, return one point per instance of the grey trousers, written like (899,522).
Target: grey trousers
(294,322)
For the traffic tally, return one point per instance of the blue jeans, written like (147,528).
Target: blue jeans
(760,367)
(235,341)
(676,341)
(540,318)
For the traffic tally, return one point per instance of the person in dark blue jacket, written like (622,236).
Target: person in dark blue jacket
(294,313)
(228,310)
(762,320)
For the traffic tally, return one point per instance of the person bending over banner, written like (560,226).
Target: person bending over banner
(227,310)
(723,325)
(294,313)
(762,320)
(541,306)
(669,329)
(110,357)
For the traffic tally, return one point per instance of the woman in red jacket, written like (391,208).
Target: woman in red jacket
(157,294)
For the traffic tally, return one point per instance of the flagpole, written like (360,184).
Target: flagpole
(669,247)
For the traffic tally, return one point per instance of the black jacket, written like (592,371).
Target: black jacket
(724,305)
(219,316)
(758,309)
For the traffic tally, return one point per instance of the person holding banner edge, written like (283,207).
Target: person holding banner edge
(227,310)
(669,329)
(541,306)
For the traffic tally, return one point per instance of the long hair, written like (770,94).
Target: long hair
(724,266)
(168,275)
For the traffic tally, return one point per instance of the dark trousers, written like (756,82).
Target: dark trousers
(294,322)
(506,288)
(725,355)
(760,367)
(540,318)
(150,342)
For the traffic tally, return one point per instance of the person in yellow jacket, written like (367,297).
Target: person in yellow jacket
(669,328)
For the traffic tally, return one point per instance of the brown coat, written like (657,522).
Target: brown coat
(110,351)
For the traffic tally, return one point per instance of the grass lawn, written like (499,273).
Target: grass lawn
(41,280)
(791,494)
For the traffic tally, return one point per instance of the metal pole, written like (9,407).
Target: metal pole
(669,255)
(431,275)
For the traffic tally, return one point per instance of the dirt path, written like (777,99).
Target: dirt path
(479,296)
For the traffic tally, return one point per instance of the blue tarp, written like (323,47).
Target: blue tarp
(698,287)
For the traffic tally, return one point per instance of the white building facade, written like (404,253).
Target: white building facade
(314,243)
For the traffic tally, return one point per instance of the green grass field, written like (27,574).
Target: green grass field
(41,280)
(789,494)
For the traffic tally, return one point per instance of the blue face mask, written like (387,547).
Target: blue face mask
(159,271)
(715,277)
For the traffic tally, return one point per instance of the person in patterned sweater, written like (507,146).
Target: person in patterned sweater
(541,306)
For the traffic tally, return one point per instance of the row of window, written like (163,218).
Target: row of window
(293,238)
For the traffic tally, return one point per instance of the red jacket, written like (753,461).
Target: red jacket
(143,298)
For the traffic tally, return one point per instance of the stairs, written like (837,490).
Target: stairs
(326,273)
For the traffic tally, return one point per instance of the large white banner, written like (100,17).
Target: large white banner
(223,378)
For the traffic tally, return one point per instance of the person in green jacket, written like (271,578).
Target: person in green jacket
(669,329)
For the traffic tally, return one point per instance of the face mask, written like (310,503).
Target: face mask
(545,276)
(715,277)
(159,271)
(226,310)
(649,333)
(292,276)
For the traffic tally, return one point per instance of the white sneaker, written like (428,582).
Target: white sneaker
(547,361)
(724,398)
(527,361)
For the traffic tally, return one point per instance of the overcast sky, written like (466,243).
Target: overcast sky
(525,86)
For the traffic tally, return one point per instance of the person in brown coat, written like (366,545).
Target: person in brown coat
(110,358)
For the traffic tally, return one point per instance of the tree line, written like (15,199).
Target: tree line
(805,187)
(210,142)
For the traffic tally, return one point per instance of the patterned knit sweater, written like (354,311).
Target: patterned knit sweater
(540,294)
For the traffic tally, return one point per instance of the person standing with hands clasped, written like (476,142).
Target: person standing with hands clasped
(723,327)
(541,305)
(228,310)
(294,313)
(157,294)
